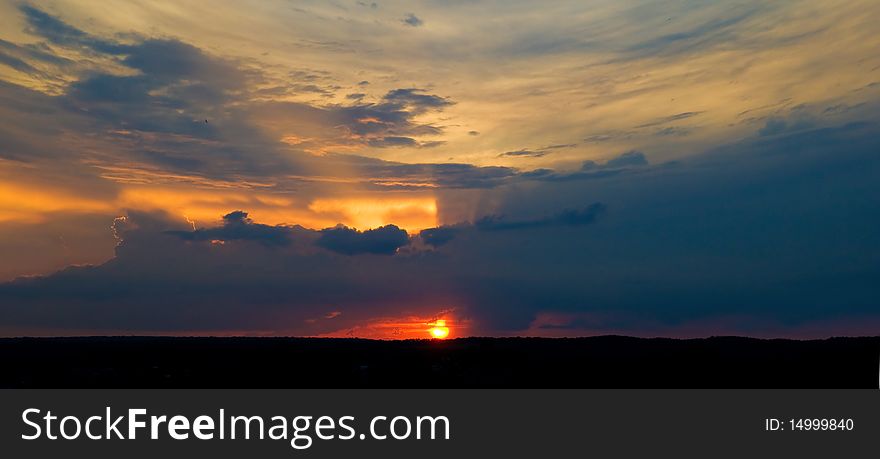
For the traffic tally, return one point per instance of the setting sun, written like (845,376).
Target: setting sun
(440,330)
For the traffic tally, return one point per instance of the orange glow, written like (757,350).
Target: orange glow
(440,330)
(206,206)
(411,214)
(404,328)
(31,203)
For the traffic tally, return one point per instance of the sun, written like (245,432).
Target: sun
(440,330)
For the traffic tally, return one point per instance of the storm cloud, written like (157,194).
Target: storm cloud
(694,247)
(384,240)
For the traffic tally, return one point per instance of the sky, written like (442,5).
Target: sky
(354,168)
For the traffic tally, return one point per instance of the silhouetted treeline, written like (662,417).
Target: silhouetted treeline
(599,362)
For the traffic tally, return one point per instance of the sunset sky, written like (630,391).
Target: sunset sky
(376,169)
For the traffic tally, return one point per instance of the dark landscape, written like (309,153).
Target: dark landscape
(597,362)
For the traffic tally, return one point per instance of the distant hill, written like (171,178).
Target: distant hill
(598,362)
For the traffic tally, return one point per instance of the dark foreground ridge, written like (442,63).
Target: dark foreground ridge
(599,362)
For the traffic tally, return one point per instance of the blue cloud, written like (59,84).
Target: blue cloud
(385,240)
(238,227)
(412,20)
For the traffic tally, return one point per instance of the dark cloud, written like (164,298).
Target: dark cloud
(536,153)
(776,235)
(24,58)
(415,100)
(398,141)
(610,136)
(385,240)
(468,176)
(628,159)
(673,132)
(568,217)
(17,64)
(776,126)
(708,34)
(524,153)
(60,33)
(590,170)
(412,20)
(670,119)
(449,175)
(388,123)
(393,141)
(648,131)
(442,235)
(238,227)
(439,236)
(158,115)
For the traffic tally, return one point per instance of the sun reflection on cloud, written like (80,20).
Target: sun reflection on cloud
(410,213)
(25,203)
(205,206)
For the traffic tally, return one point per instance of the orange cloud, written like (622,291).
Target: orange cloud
(409,213)
(32,204)
(205,206)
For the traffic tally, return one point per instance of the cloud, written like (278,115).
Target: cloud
(412,20)
(568,217)
(26,58)
(449,175)
(388,123)
(439,236)
(624,160)
(442,235)
(673,132)
(393,141)
(400,141)
(524,153)
(385,240)
(536,153)
(60,33)
(628,159)
(105,115)
(415,100)
(669,119)
(677,252)
(701,34)
(237,227)
(180,106)
(776,126)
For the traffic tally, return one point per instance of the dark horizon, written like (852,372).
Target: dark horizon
(597,362)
